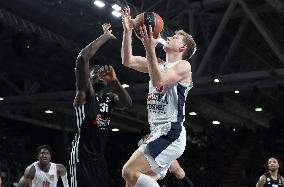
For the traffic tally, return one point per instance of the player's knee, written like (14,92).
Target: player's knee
(177,170)
(180,173)
(126,173)
(174,167)
(129,174)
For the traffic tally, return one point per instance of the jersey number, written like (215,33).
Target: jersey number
(45,184)
(103,107)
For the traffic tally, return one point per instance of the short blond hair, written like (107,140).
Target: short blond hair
(189,42)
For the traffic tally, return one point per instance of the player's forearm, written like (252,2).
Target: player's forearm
(23,182)
(124,97)
(259,184)
(153,67)
(93,47)
(82,63)
(126,48)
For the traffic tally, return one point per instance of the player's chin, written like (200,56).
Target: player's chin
(44,160)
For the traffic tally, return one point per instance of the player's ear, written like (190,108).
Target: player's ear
(183,48)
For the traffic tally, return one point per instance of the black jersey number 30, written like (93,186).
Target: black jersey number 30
(104,107)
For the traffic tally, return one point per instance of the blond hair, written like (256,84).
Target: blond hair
(189,42)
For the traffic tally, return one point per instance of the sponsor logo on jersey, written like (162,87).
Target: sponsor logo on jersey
(45,184)
(159,89)
(156,102)
(158,97)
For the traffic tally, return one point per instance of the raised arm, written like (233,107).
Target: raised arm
(122,98)
(83,85)
(26,179)
(180,72)
(261,181)
(62,172)
(135,62)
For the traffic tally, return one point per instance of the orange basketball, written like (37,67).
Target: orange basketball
(149,18)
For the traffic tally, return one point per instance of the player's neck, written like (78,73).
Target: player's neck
(44,166)
(100,93)
(274,174)
(173,57)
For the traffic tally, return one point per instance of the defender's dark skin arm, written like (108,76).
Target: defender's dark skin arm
(123,100)
(84,88)
(121,96)
(26,179)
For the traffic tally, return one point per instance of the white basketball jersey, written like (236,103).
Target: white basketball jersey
(43,179)
(167,104)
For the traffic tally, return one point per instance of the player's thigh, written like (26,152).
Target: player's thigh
(137,162)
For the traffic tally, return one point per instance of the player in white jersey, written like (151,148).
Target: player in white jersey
(44,173)
(175,169)
(169,84)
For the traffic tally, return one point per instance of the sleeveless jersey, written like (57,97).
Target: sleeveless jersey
(167,103)
(92,121)
(271,182)
(43,179)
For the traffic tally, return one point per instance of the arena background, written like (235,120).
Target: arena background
(238,79)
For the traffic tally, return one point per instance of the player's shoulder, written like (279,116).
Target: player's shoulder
(31,167)
(183,64)
(30,171)
(60,166)
(61,169)
(262,178)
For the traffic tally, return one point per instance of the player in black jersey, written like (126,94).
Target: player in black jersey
(93,108)
(271,178)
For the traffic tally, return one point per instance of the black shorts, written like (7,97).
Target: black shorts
(92,173)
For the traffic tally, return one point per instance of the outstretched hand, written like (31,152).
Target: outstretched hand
(147,38)
(107,73)
(106,28)
(127,22)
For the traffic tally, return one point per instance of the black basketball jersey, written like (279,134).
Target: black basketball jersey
(92,123)
(87,163)
(271,182)
(106,103)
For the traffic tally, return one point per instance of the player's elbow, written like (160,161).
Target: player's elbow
(126,61)
(125,105)
(128,104)
(23,182)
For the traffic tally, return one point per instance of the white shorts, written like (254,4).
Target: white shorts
(161,148)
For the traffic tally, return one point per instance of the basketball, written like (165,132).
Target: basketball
(149,18)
